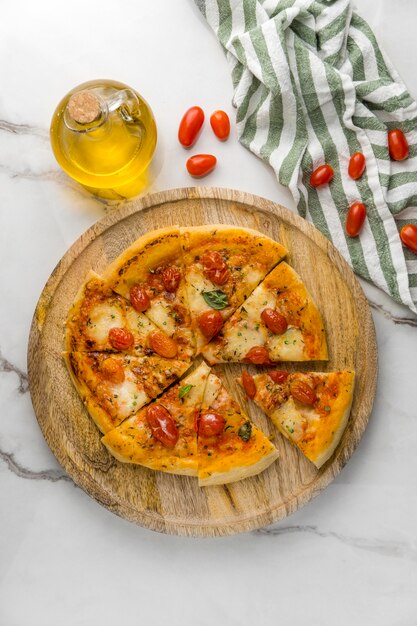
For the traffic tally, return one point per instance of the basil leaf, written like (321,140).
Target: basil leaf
(245,431)
(184,390)
(216,299)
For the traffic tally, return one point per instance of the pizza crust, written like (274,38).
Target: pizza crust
(159,247)
(239,473)
(101,418)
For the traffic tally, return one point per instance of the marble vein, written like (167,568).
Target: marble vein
(408,321)
(23,129)
(7,366)
(395,549)
(52,475)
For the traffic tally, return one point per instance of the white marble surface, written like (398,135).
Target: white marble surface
(350,556)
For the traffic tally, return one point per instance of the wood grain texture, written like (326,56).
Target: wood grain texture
(175,504)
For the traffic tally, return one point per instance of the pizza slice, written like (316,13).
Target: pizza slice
(278,322)
(223,264)
(102,320)
(150,275)
(310,409)
(162,436)
(113,386)
(230,446)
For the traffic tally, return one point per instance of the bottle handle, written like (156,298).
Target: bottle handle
(127,101)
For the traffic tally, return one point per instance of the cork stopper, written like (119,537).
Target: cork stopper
(84,107)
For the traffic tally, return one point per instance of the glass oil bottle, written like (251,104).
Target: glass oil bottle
(103,134)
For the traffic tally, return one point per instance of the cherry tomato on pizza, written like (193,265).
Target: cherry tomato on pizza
(274,321)
(210,424)
(139,298)
(162,425)
(258,355)
(163,345)
(249,385)
(120,338)
(302,392)
(210,323)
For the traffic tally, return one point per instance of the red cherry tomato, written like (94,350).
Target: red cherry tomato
(200,165)
(220,124)
(210,323)
(355,219)
(258,355)
(120,338)
(112,370)
(171,277)
(302,392)
(139,298)
(408,235)
(249,385)
(321,176)
(190,126)
(163,345)
(210,424)
(357,165)
(162,425)
(274,321)
(278,376)
(397,145)
(215,268)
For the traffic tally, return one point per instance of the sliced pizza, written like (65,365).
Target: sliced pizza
(150,274)
(277,322)
(102,320)
(223,264)
(310,409)
(162,436)
(113,386)
(230,446)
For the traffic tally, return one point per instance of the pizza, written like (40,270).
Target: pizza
(163,435)
(310,409)
(132,334)
(194,428)
(101,320)
(223,264)
(114,386)
(277,322)
(150,274)
(230,446)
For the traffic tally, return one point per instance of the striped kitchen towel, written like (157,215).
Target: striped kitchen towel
(311,86)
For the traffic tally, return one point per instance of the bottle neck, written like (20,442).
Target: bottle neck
(85,111)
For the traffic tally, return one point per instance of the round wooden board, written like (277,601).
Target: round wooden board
(175,504)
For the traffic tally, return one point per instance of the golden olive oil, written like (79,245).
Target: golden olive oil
(103,134)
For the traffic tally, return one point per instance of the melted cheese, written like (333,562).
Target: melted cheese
(286,347)
(196,284)
(160,314)
(292,422)
(138,323)
(102,318)
(213,387)
(128,397)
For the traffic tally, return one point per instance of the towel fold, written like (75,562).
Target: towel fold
(312,86)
